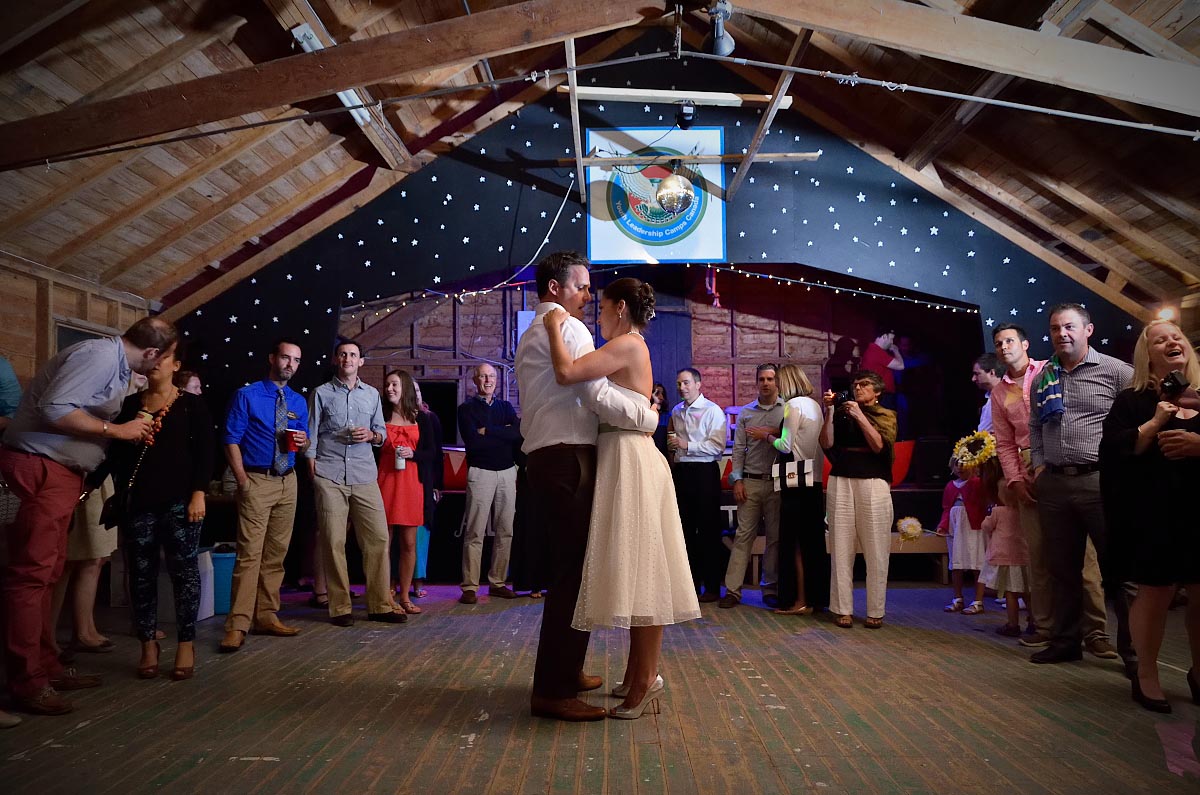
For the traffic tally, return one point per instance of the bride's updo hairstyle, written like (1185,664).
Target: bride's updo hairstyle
(638,297)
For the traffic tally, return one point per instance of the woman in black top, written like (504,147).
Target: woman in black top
(858,436)
(162,481)
(1150,462)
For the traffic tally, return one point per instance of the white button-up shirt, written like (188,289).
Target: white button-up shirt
(555,414)
(703,425)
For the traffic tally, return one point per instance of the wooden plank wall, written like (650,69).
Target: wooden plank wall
(32,305)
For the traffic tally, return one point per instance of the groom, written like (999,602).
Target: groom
(560,441)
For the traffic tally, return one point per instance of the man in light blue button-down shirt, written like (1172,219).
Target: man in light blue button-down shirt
(345,418)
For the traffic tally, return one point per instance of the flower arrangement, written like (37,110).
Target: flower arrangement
(909,528)
(974,449)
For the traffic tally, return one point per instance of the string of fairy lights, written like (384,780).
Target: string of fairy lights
(437,296)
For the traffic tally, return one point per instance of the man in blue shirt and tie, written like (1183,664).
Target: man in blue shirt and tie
(265,428)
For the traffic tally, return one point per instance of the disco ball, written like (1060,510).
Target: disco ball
(674,194)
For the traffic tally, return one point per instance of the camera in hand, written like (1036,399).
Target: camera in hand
(1173,385)
(843,396)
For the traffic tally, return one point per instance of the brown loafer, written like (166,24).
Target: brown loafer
(278,630)
(468,598)
(46,702)
(234,639)
(503,592)
(568,709)
(587,682)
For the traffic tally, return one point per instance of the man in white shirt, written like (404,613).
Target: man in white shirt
(559,429)
(986,374)
(696,439)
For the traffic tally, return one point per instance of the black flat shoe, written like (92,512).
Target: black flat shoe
(1194,684)
(388,618)
(319,601)
(1153,704)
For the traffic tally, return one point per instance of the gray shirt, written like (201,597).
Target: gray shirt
(332,410)
(92,375)
(1088,394)
(754,456)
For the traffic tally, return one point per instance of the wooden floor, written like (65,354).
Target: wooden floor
(755,703)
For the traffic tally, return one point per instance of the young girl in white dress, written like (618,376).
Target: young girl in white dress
(636,573)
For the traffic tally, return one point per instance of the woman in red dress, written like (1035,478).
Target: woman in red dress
(399,481)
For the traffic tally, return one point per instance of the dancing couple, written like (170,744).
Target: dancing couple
(615,541)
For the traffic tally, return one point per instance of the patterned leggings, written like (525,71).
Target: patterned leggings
(180,541)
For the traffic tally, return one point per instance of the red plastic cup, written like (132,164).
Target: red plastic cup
(293,440)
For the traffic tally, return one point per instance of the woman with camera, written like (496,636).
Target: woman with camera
(858,435)
(1150,460)
(160,503)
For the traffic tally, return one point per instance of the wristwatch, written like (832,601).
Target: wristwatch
(103,428)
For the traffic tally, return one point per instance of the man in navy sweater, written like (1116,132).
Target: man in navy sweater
(491,432)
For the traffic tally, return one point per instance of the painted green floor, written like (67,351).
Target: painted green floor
(755,703)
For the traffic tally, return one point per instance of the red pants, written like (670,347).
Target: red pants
(37,550)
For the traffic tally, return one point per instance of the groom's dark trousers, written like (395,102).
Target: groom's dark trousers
(562,479)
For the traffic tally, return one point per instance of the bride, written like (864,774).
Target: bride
(636,572)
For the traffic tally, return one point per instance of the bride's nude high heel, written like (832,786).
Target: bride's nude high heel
(649,701)
(621,689)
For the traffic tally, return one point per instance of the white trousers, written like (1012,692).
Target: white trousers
(489,493)
(859,509)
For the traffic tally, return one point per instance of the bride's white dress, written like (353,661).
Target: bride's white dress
(636,571)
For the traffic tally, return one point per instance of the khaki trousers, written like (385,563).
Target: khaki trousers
(761,501)
(860,509)
(266,510)
(364,504)
(489,493)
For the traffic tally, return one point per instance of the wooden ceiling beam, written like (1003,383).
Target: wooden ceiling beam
(378,130)
(258,226)
(80,178)
(20,21)
(160,194)
(215,209)
(1128,29)
(938,137)
(954,199)
(782,84)
(1155,250)
(1080,65)
(1056,230)
(576,133)
(309,75)
(382,180)
(165,58)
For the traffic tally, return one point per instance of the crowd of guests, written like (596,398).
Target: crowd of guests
(1081,494)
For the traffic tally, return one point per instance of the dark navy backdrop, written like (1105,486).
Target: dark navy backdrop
(478,213)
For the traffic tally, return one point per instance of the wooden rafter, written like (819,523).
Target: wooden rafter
(160,61)
(576,133)
(782,84)
(20,21)
(1128,29)
(954,120)
(1056,230)
(117,218)
(86,174)
(382,180)
(211,212)
(1155,250)
(956,200)
(310,75)
(258,226)
(1093,68)
(378,130)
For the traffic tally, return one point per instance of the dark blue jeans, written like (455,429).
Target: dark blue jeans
(145,533)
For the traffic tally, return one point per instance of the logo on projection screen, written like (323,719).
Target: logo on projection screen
(625,221)
(631,201)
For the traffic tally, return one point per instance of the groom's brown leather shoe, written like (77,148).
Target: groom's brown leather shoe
(587,682)
(569,709)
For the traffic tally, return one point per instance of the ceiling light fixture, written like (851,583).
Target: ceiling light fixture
(719,42)
(307,38)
